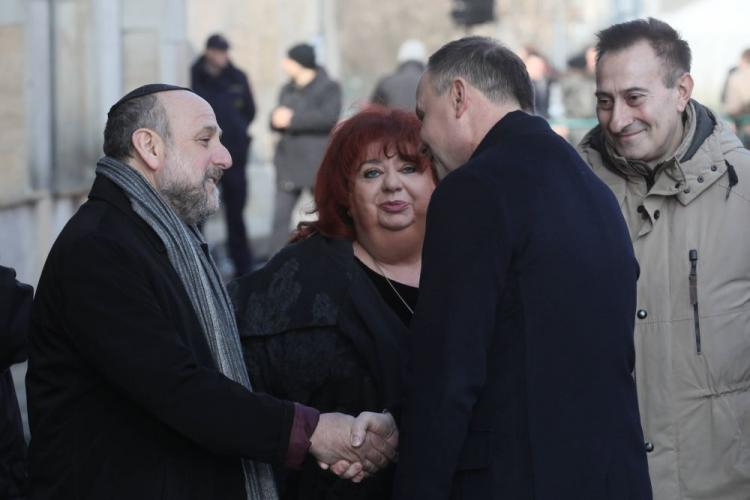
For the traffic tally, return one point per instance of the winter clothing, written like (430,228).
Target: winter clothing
(303,54)
(316,108)
(522,341)
(316,330)
(688,224)
(399,89)
(125,397)
(231,97)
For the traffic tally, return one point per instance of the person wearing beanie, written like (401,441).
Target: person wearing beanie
(399,89)
(309,107)
(227,90)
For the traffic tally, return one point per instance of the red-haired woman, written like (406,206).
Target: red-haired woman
(325,321)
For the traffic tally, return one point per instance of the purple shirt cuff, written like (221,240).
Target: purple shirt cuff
(303,426)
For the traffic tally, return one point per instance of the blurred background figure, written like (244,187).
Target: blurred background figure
(577,88)
(399,89)
(542,76)
(327,319)
(226,88)
(309,107)
(737,97)
(15,313)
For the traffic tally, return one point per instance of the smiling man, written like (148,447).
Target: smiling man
(681,180)
(137,386)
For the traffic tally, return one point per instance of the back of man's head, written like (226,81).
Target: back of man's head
(672,50)
(492,68)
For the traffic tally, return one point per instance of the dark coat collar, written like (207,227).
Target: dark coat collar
(512,125)
(107,191)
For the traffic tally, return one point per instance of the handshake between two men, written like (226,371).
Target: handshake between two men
(355,448)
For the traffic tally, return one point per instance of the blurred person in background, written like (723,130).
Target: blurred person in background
(399,89)
(737,97)
(309,107)
(542,76)
(578,88)
(326,320)
(227,90)
(15,314)
(682,181)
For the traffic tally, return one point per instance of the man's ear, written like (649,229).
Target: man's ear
(458,95)
(149,146)
(684,87)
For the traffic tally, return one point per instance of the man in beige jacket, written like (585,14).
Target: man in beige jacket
(683,183)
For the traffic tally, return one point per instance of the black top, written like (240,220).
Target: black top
(315,330)
(408,293)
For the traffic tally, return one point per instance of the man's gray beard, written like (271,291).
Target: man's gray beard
(192,204)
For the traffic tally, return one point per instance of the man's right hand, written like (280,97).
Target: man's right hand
(354,448)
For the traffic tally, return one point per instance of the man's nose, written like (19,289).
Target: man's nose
(621,117)
(222,158)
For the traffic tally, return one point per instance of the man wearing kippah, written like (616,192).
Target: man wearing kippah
(309,107)
(137,387)
(227,90)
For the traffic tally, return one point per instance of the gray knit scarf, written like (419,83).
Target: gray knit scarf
(209,298)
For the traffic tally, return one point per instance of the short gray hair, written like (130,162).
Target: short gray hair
(487,65)
(126,118)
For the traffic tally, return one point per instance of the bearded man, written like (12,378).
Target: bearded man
(136,384)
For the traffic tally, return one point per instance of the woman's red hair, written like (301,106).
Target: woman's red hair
(395,130)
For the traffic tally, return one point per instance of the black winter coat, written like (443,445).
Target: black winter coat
(316,108)
(316,330)
(15,313)
(125,400)
(521,384)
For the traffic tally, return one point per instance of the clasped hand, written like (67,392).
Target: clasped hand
(354,448)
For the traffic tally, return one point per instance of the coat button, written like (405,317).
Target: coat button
(657,214)
(642,313)
(700,178)
(714,168)
(649,446)
(686,191)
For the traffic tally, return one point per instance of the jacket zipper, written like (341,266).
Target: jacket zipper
(693,255)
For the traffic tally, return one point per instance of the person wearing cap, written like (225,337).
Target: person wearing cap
(309,107)
(227,90)
(399,89)
(136,384)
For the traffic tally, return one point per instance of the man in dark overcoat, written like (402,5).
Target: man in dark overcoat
(215,78)
(136,384)
(521,385)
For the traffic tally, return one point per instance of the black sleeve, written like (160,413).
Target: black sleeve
(118,325)
(15,314)
(465,256)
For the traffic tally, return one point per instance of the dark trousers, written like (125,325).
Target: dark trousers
(234,197)
(282,217)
